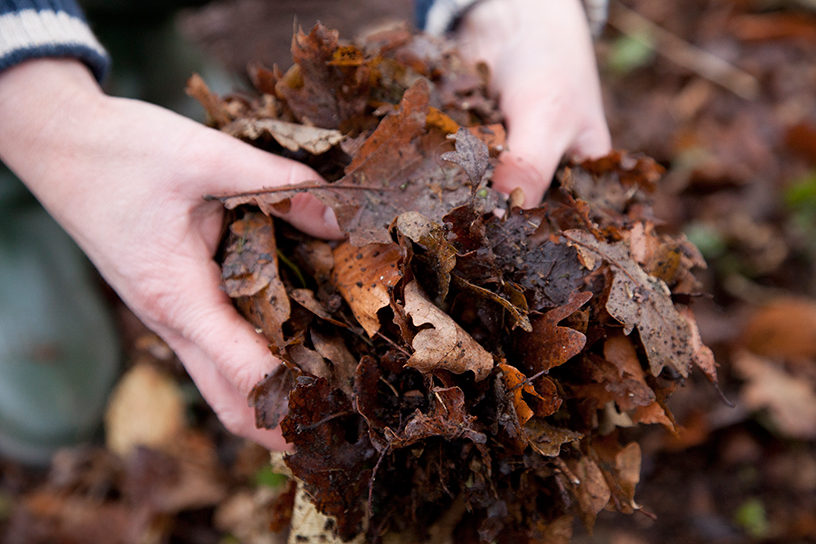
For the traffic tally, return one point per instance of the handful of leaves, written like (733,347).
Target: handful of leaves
(457,352)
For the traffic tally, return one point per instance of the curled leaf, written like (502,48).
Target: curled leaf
(292,136)
(445,345)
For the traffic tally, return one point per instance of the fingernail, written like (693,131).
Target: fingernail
(330,220)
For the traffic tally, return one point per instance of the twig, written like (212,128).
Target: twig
(298,187)
(683,53)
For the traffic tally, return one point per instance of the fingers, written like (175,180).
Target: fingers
(538,138)
(235,167)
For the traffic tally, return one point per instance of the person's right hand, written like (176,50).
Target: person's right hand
(543,67)
(126,179)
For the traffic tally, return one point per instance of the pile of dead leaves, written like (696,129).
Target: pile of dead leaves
(456,349)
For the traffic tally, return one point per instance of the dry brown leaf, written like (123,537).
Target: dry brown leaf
(446,345)
(546,439)
(214,106)
(703,357)
(145,409)
(449,420)
(318,90)
(292,136)
(438,254)
(549,345)
(471,154)
(309,361)
(630,384)
(592,492)
(514,381)
(652,414)
(641,301)
(785,328)
(250,263)
(250,273)
(363,277)
(621,467)
(307,299)
(790,401)
(333,348)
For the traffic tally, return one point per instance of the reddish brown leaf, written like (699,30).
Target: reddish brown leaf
(216,109)
(546,404)
(320,92)
(335,470)
(621,465)
(629,383)
(449,420)
(549,345)
(399,160)
(250,272)
(363,276)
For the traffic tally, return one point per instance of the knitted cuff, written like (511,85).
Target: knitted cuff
(597,13)
(441,16)
(42,28)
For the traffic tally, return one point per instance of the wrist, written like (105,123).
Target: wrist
(499,31)
(45,107)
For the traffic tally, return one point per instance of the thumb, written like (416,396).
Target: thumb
(241,168)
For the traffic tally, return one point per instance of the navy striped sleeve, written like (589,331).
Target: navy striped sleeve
(48,28)
(440,16)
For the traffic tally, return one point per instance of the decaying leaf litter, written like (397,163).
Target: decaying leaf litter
(457,347)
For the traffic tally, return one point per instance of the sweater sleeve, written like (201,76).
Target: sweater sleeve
(440,16)
(48,28)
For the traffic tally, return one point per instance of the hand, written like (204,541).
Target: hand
(126,180)
(543,67)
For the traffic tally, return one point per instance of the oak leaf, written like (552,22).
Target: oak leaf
(471,154)
(517,385)
(638,300)
(549,345)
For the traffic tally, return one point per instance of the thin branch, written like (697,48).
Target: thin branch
(298,188)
